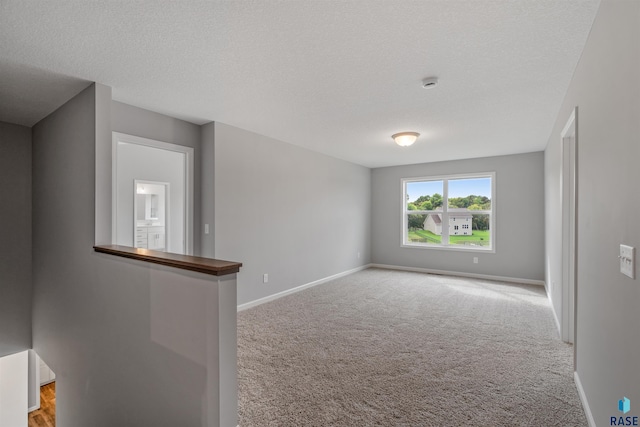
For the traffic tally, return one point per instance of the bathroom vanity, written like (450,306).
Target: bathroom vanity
(150,213)
(150,237)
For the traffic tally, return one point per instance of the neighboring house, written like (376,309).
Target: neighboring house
(433,223)
(460,223)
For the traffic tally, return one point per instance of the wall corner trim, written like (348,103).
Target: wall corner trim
(553,310)
(583,400)
(260,301)
(459,274)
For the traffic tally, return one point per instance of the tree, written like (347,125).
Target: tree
(436,200)
(422,199)
(416,221)
(457,202)
(480,222)
(426,206)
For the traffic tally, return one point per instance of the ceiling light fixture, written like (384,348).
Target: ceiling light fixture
(405,139)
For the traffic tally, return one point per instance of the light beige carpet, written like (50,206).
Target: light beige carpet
(389,348)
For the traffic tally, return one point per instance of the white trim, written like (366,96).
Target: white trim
(35,381)
(460,274)
(459,248)
(445,245)
(553,310)
(259,301)
(278,295)
(570,124)
(189,180)
(568,193)
(583,399)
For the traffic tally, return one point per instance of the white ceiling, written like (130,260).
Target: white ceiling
(338,77)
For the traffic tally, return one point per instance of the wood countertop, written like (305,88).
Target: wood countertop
(211,266)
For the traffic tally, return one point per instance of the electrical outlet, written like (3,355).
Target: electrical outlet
(206,229)
(627,260)
(475,259)
(265,278)
(358,255)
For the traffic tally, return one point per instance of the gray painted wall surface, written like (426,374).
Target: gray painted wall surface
(606,89)
(15,229)
(148,124)
(104,149)
(519,205)
(207,199)
(128,341)
(295,214)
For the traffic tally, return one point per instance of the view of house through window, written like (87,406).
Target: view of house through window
(449,212)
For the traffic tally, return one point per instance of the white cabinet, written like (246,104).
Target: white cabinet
(150,237)
(155,238)
(140,239)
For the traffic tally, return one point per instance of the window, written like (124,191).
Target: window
(453,212)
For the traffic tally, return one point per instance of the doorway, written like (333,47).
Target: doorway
(42,413)
(158,167)
(151,213)
(569,222)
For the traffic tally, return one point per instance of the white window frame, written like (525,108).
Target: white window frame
(445,246)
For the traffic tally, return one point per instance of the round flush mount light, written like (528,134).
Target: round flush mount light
(405,139)
(429,82)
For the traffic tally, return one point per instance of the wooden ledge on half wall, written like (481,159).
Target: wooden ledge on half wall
(211,266)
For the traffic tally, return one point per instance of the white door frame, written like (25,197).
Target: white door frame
(167,211)
(568,193)
(188,179)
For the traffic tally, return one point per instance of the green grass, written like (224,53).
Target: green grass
(477,236)
(424,236)
(480,238)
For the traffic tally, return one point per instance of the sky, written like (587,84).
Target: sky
(457,188)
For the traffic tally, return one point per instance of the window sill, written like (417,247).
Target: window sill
(491,250)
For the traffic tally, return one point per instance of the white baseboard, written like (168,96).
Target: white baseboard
(459,274)
(583,399)
(33,408)
(259,301)
(300,288)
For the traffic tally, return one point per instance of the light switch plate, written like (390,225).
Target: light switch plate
(627,260)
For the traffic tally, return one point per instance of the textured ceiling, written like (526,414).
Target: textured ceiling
(338,77)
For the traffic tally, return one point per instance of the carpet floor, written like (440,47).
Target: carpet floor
(391,348)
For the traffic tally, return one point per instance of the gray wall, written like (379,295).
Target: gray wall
(295,214)
(128,341)
(519,205)
(207,196)
(15,229)
(606,89)
(148,124)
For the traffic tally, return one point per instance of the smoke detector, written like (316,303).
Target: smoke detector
(429,82)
